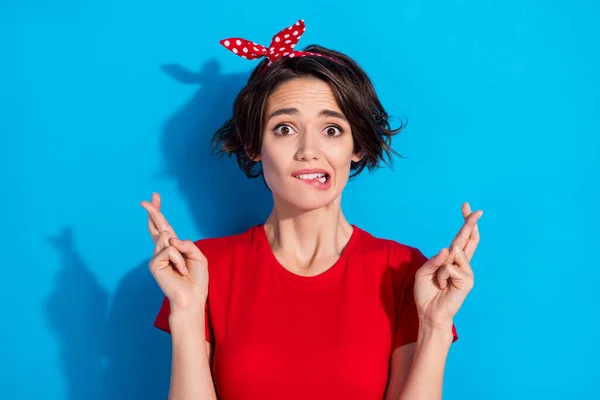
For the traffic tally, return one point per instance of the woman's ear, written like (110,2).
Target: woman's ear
(255,158)
(356,157)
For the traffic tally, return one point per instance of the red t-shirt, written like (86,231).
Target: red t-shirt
(279,335)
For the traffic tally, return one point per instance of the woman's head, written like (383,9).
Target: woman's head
(307,113)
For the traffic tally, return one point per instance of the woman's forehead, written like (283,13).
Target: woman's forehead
(302,94)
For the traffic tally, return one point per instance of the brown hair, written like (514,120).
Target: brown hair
(242,135)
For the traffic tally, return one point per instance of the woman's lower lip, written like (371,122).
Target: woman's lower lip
(317,184)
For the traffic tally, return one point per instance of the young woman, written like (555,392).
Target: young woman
(307,305)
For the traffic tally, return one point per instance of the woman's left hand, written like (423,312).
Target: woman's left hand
(443,282)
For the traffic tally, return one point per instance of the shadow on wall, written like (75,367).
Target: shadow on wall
(109,349)
(220,198)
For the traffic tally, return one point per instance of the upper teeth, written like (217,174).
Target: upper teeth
(310,176)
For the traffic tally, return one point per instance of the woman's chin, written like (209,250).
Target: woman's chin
(309,203)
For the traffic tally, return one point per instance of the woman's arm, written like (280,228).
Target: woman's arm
(191,377)
(441,286)
(426,374)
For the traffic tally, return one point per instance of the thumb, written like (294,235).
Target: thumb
(189,250)
(195,261)
(435,262)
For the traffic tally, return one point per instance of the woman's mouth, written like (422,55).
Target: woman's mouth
(321,177)
(318,180)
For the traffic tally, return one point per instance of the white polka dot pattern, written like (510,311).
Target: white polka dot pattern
(279,47)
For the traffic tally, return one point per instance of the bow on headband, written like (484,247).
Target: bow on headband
(282,45)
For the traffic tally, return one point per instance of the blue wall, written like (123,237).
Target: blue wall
(103,102)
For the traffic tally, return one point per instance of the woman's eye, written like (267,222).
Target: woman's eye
(333,131)
(283,130)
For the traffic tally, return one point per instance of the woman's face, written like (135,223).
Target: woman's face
(307,144)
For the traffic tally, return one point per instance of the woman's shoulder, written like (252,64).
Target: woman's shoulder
(395,252)
(228,244)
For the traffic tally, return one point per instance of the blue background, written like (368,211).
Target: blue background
(103,102)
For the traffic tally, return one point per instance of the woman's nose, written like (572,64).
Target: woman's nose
(308,147)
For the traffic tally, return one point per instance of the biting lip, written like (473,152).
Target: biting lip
(317,178)
(309,171)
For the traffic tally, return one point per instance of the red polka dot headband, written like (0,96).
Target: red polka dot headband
(282,45)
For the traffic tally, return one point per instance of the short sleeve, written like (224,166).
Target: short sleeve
(162,320)
(407,318)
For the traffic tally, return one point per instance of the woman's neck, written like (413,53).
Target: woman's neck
(308,241)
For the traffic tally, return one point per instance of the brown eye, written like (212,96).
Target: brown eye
(333,131)
(283,130)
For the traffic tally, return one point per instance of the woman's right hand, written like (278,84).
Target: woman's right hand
(179,267)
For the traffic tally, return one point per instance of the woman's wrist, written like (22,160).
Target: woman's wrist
(186,322)
(444,326)
(441,335)
(187,311)
(188,302)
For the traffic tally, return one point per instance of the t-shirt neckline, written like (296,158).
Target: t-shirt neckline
(335,270)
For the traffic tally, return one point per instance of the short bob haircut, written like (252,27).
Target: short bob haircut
(242,134)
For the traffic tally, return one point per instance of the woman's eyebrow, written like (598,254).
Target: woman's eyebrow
(334,114)
(283,111)
(293,111)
